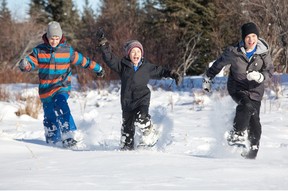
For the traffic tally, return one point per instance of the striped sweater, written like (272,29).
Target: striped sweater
(54,67)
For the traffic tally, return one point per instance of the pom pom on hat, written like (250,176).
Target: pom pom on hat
(132,44)
(249,28)
(54,29)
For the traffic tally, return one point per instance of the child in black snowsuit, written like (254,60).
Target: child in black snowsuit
(251,66)
(135,73)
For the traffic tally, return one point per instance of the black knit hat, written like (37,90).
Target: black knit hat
(249,28)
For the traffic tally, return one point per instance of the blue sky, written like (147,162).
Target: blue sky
(19,8)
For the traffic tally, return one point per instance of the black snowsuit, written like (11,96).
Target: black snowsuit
(247,94)
(135,94)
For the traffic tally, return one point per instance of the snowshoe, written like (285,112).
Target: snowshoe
(236,138)
(127,148)
(68,143)
(149,137)
(237,144)
(252,153)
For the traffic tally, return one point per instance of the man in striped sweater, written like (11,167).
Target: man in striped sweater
(53,59)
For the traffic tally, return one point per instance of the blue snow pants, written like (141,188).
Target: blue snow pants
(57,118)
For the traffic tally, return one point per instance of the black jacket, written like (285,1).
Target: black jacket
(240,65)
(134,89)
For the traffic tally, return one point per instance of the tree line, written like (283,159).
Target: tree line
(181,34)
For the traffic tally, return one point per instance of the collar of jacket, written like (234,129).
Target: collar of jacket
(128,62)
(262,46)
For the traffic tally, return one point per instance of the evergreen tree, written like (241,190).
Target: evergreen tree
(192,19)
(122,21)
(87,30)
(186,24)
(5,14)
(5,32)
(88,13)
(64,12)
(86,43)
(37,11)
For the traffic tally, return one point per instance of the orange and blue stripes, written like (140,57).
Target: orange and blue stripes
(54,67)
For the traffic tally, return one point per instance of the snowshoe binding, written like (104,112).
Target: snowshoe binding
(149,137)
(68,143)
(236,138)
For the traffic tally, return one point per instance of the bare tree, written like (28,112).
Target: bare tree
(121,20)
(29,36)
(189,55)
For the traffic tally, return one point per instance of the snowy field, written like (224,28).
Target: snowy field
(191,153)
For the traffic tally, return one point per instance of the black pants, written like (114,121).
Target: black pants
(129,119)
(247,117)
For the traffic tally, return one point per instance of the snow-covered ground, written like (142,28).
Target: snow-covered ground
(190,154)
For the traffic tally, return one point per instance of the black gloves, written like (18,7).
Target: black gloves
(100,36)
(176,76)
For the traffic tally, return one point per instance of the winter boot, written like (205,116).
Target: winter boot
(236,137)
(252,153)
(126,142)
(70,142)
(68,139)
(143,123)
(149,135)
(52,135)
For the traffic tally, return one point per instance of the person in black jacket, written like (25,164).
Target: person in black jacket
(135,73)
(251,66)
